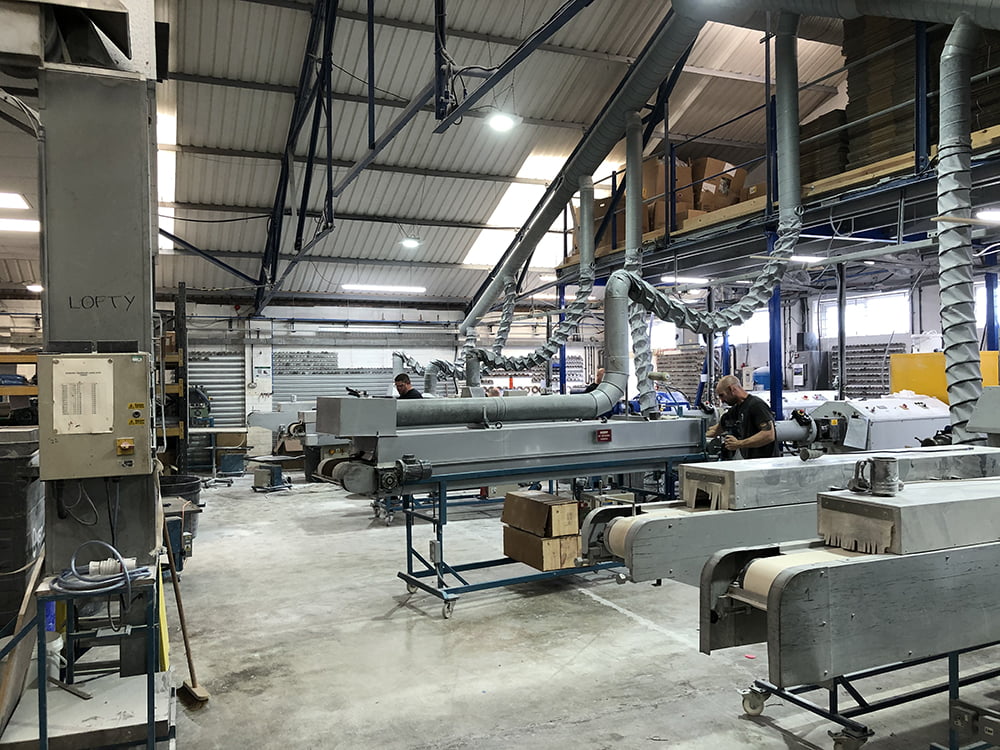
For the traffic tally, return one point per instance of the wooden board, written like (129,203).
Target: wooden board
(15,669)
(15,358)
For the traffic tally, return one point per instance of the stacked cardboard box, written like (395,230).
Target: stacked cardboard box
(827,155)
(541,530)
(718,183)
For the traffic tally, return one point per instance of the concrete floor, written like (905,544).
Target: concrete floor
(306,639)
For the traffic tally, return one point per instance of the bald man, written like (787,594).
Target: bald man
(748,425)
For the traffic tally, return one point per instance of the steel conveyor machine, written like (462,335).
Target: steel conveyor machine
(895,580)
(388,461)
(760,501)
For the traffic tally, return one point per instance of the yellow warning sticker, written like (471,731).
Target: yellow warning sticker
(137,421)
(137,405)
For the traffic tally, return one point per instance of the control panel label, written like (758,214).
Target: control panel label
(136,421)
(602,436)
(137,405)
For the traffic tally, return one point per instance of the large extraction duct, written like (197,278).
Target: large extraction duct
(582,405)
(958,302)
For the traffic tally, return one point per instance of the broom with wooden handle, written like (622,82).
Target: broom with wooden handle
(190,687)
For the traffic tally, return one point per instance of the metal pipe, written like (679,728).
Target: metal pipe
(842,331)
(634,209)
(992,332)
(958,304)
(774,353)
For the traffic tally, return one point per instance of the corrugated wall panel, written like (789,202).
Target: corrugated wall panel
(222,376)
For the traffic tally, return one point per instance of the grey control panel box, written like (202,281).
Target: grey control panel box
(94,415)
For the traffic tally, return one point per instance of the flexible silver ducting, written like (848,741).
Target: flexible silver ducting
(638,320)
(573,313)
(507,316)
(577,406)
(958,303)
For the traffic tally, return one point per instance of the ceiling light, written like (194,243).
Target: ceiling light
(503,122)
(410,243)
(670,279)
(20,225)
(34,287)
(868,262)
(807,258)
(383,288)
(547,277)
(13,200)
(989,214)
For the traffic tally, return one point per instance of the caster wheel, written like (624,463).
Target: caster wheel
(753,702)
(446,609)
(411,589)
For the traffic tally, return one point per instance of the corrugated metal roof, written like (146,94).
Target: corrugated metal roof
(257,42)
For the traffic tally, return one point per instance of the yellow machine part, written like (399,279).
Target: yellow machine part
(923,373)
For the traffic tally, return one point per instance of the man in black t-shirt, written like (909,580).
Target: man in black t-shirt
(405,388)
(748,426)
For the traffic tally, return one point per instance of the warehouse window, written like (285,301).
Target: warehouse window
(868,315)
(755,330)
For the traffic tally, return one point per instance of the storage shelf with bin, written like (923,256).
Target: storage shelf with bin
(171,389)
(18,401)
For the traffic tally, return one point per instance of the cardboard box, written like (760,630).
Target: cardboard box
(722,186)
(541,514)
(658,214)
(552,553)
(683,177)
(652,177)
(753,191)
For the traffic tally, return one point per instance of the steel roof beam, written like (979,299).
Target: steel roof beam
(341,163)
(279,88)
(349,261)
(560,18)
(460,33)
(376,219)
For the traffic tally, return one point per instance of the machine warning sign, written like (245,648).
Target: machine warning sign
(136,421)
(602,436)
(137,405)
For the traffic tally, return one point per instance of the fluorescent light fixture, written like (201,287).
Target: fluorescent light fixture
(20,225)
(547,277)
(34,287)
(383,288)
(989,214)
(503,122)
(807,258)
(13,200)
(410,243)
(670,279)
(868,262)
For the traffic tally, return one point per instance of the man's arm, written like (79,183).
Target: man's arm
(710,432)
(760,416)
(765,436)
